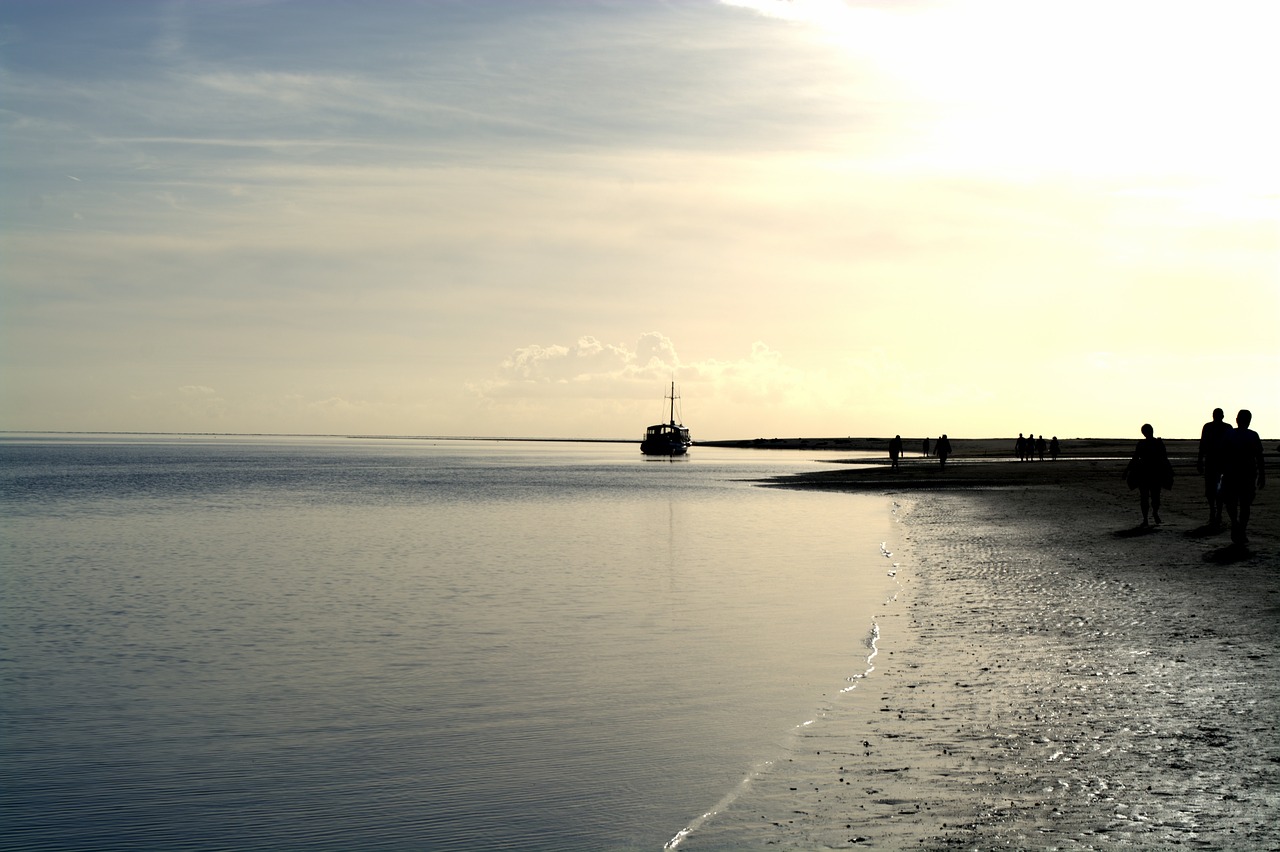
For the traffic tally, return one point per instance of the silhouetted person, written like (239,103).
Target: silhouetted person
(1149,471)
(1041,446)
(1054,449)
(943,450)
(924,448)
(1020,447)
(1244,468)
(1214,439)
(895,450)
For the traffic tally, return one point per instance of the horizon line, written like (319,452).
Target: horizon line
(363,436)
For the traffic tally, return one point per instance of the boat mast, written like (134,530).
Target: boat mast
(673,403)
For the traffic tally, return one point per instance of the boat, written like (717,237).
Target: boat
(667,439)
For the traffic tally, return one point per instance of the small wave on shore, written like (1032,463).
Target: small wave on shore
(871,645)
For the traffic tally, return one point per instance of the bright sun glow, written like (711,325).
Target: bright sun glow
(1157,89)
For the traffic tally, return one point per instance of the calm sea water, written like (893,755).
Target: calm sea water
(236,643)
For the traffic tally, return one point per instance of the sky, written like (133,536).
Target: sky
(526,218)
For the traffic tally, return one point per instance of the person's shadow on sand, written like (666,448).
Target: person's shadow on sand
(1134,532)
(1204,531)
(1227,555)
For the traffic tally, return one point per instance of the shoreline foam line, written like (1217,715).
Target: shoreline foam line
(745,784)
(871,643)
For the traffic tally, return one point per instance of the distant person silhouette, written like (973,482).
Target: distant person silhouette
(924,448)
(895,450)
(1020,447)
(1041,446)
(943,450)
(1054,448)
(1149,471)
(1245,467)
(1215,437)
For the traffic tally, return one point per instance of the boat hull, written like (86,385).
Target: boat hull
(665,440)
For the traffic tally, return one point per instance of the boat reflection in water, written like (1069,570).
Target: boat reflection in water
(667,439)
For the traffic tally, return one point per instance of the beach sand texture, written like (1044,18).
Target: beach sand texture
(1051,676)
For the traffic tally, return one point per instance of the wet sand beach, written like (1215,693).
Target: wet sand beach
(1050,676)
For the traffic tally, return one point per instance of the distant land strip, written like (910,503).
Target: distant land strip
(961,448)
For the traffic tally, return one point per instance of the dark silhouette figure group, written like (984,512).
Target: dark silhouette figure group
(1230,461)
(1031,448)
(1232,464)
(941,448)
